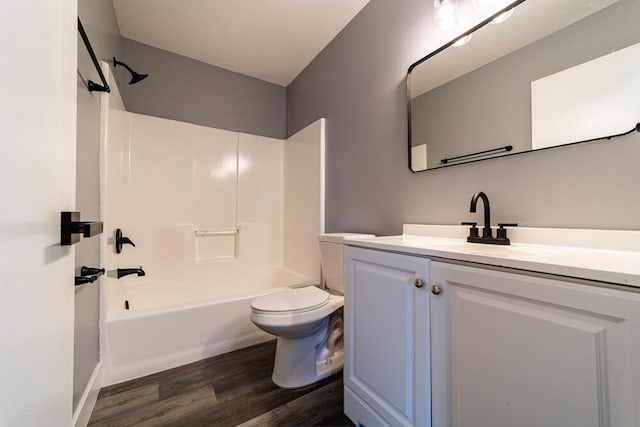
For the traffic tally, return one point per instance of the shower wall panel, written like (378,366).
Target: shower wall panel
(304,200)
(261,199)
(181,191)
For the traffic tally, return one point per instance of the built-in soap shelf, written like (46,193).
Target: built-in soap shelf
(213,245)
(206,233)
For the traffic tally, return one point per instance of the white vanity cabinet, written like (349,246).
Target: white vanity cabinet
(386,373)
(490,347)
(515,350)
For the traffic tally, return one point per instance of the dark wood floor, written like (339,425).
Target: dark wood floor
(233,389)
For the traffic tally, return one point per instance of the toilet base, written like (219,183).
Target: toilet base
(300,362)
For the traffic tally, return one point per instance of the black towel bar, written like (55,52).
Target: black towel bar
(93,86)
(478,153)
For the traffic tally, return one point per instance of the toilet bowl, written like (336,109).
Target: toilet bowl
(307,321)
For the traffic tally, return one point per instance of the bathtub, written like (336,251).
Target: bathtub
(171,323)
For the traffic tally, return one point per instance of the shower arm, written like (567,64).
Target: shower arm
(116,62)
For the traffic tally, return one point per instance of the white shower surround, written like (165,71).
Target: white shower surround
(163,181)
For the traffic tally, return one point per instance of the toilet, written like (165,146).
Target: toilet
(308,321)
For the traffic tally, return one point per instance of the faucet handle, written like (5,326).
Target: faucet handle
(121,240)
(473,230)
(501,233)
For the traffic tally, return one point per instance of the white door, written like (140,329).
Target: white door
(37,182)
(514,350)
(387,335)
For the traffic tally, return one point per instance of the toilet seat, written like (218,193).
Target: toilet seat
(301,311)
(291,301)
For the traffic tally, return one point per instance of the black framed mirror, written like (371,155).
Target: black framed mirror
(552,74)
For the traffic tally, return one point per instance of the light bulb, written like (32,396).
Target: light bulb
(502,17)
(445,13)
(463,40)
(483,4)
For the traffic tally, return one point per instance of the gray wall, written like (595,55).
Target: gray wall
(187,90)
(99,21)
(358,84)
(494,102)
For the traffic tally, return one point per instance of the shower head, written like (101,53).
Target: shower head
(135,77)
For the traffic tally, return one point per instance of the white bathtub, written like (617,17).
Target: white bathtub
(171,323)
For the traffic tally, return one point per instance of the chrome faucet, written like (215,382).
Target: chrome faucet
(487,233)
(121,272)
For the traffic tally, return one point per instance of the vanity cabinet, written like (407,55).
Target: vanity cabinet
(386,373)
(486,347)
(515,350)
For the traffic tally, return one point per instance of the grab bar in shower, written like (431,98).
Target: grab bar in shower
(204,233)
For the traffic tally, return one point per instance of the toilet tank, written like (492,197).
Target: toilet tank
(331,253)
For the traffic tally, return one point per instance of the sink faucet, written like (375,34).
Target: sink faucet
(487,234)
(486,231)
(121,272)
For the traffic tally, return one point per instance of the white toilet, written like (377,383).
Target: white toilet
(307,321)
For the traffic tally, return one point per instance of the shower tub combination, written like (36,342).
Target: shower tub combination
(218,218)
(168,324)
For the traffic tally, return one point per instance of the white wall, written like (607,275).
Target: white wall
(260,200)
(165,180)
(168,179)
(37,182)
(304,199)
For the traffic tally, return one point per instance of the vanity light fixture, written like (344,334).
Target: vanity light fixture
(483,4)
(486,4)
(463,40)
(502,17)
(445,14)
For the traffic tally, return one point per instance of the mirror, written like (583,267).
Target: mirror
(553,73)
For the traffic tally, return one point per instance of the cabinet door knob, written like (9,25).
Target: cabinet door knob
(435,289)
(418,283)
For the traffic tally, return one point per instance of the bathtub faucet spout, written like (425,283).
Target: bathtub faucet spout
(121,272)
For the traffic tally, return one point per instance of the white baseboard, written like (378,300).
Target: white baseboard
(88,400)
(359,412)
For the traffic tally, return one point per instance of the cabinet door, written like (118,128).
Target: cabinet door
(515,350)
(387,335)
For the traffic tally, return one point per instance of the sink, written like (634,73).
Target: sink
(458,245)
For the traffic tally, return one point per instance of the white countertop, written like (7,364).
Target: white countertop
(604,255)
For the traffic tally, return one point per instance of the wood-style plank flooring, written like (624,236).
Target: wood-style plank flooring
(233,389)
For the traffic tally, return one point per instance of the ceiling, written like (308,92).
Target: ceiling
(273,40)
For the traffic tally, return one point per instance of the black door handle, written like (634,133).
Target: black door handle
(91,271)
(71,227)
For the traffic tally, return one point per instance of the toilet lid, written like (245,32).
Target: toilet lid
(301,299)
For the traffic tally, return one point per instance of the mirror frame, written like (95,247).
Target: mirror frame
(435,52)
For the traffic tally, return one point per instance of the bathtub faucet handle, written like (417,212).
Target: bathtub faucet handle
(122,240)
